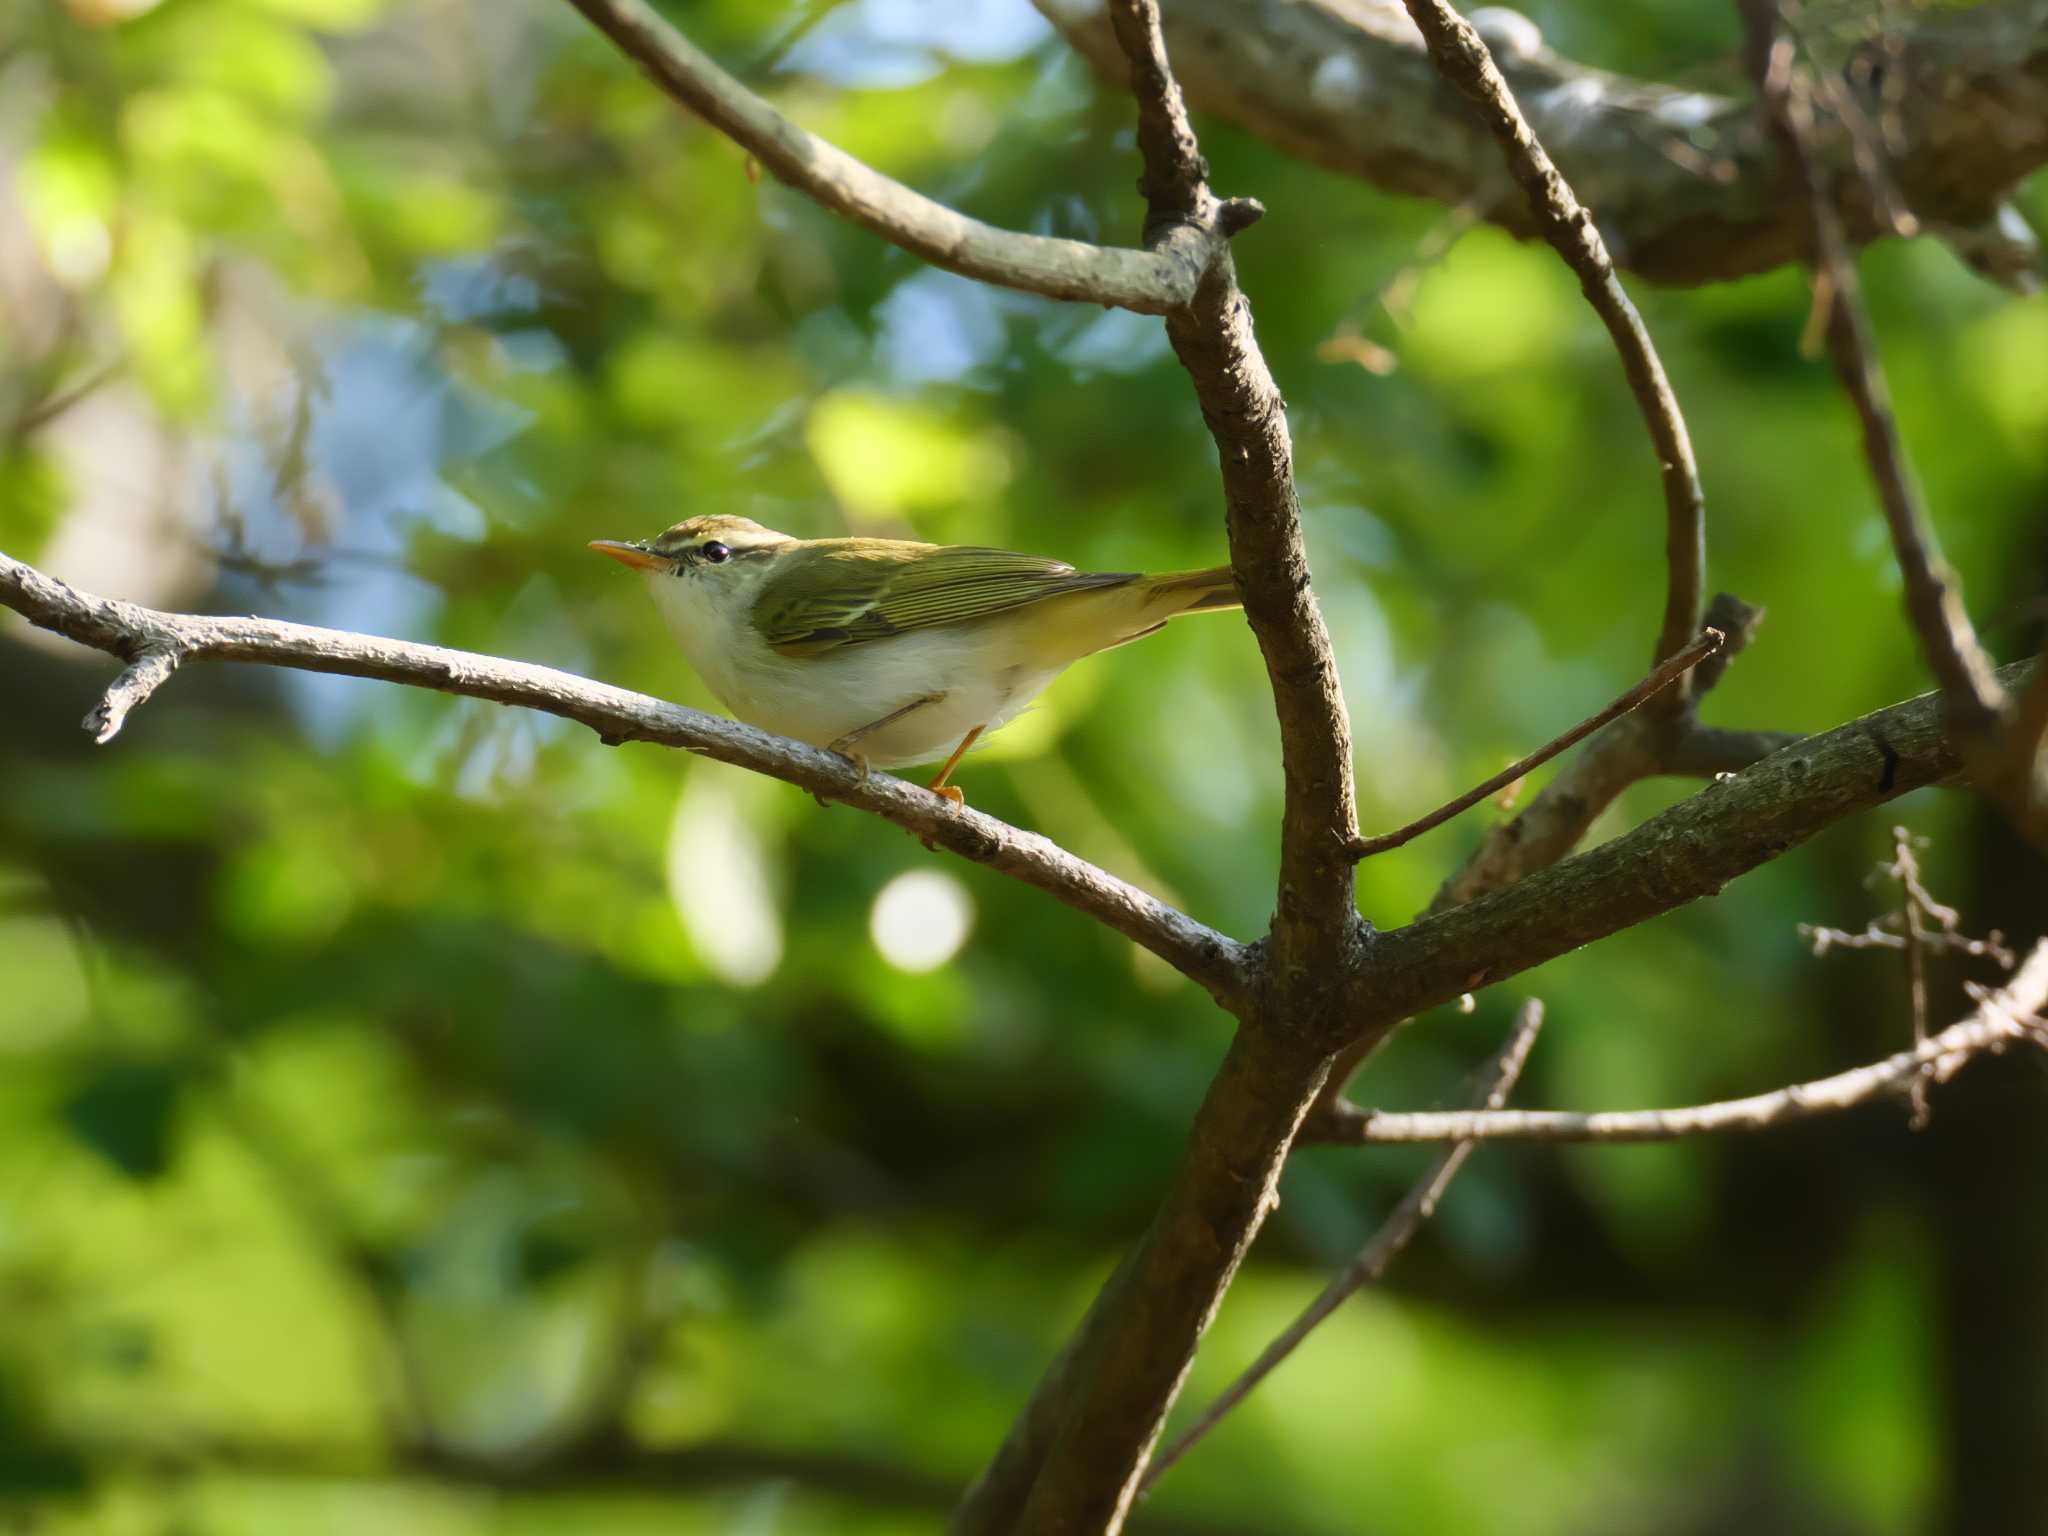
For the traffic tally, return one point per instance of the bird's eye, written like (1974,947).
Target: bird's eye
(715,552)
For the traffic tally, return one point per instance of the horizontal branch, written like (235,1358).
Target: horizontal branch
(1692,850)
(2001,1017)
(1683,182)
(1156,281)
(153,642)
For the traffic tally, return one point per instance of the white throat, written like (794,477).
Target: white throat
(709,611)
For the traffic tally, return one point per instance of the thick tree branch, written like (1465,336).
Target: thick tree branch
(130,631)
(1152,281)
(1690,851)
(1462,57)
(1497,1081)
(1073,1460)
(1683,182)
(2000,1018)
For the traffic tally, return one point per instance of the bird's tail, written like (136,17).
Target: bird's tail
(1194,592)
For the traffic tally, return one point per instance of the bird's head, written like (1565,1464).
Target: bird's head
(715,546)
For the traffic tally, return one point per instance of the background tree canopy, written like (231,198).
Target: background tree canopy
(417,1118)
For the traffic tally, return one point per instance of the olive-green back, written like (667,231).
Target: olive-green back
(855,590)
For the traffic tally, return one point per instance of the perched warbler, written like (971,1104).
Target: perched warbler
(884,650)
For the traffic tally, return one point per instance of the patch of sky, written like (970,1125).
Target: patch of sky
(469,288)
(935,327)
(384,421)
(1116,341)
(891,44)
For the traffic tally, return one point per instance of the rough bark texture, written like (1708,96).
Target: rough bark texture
(1683,183)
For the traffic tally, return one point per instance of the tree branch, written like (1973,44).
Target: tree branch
(1151,282)
(1690,851)
(127,630)
(1462,57)
(1072,1461)
(1683,182)
(1958,662)
(1497,1081)
(1663,677)
(2001,1017)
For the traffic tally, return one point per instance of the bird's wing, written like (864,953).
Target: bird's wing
(859,594)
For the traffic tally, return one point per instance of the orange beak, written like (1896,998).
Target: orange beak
(635,555)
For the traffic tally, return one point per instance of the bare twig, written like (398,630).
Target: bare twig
(2001,1016)
(1916,907)
(1497,1082)
(1692,850)
(1991,947)
(1464,59)
(1152,281)
(128,630)
(150,670)
(1666,673)
(1958,662)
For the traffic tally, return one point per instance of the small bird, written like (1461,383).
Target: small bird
(883,650)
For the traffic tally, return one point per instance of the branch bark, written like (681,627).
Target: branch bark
(1462,57)
(1395,1233)
(1683,182)
(2000,1018)
(1690,851)
(1151,281)
(154,642)
(1073,1460)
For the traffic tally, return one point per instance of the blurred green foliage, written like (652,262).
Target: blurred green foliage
(419,1118)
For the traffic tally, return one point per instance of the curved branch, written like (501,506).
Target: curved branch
(1151,281)
(136,633)
(1683,182)
(1463,58)
(2001,1017)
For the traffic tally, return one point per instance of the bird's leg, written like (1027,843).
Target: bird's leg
(845,744)
(939,786)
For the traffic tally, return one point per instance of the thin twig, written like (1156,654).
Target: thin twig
(1913,917)
(1153,281)
(2002,1016)
(128,630)
(138,680)
(1991,947)
(1463,58)
(1416,1207)
(1667,673)
(1958,662)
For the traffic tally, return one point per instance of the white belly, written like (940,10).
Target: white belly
(821,699)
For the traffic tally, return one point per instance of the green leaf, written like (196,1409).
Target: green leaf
(126,1112)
